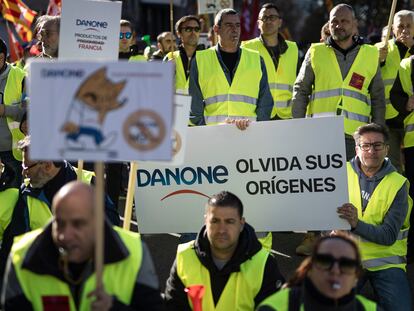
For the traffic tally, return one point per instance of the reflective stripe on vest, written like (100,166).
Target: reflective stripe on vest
(406,83)
(376,256)
(229,97)
(350,95)
(280,81)
(221,119)
(389,73)
(222,99)
(118,278)
(279,301)
(8,199)
(12,95)
(241,288)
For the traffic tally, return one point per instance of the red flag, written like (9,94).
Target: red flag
(196,293)
(54,8)
(15,49)
(248,19)
(20,15)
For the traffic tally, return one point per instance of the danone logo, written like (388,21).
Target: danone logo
(183,176)
(91,24)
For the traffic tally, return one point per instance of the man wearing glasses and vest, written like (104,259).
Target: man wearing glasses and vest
(228,82)
(187,29)
(280,57)
(341,77)
(237,272)
(379,215)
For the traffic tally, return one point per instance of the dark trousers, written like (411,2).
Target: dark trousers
(409,173)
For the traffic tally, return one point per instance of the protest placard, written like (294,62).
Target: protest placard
(213,6)
(290,175)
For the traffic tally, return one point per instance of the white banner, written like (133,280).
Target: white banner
(290,175)
(213,6)
(89,29)
(101,111)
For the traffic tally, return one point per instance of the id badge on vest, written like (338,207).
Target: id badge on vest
(357,81)
(55,303)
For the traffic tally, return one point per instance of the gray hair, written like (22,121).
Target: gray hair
(403,13)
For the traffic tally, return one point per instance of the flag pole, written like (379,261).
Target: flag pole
(390,20)
(99,223)
(172,16)
(130,195)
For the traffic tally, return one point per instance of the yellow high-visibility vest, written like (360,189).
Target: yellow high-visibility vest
(181,82)
(375,256)
(222,100)
(280,301)
(13,94)
(350,95)
(118,278)
(407,85)
(389,73)
(280,81)
(241,288)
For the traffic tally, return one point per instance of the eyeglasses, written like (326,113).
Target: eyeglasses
(271,18)
(191,29)
(30,166)
(127,35)
(378,146)
(326,262)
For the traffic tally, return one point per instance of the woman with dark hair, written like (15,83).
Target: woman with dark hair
(325,280)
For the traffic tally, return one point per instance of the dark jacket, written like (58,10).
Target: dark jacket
(43,258)
(247,247)
(20,222)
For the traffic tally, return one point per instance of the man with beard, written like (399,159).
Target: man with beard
(228,83)
(280,57)
(188,31)
(237,272)
(165,44)
(341,76)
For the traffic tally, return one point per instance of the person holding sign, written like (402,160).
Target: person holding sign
(227,259)
(228,82)
(53,268)
(326,280)
(280,57)
(379,215)
(341,77)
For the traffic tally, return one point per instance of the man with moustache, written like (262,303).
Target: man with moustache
(228,83)
(237,272)
(379,215)
(280,57)
(341,77)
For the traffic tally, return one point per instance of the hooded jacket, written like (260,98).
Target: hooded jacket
(248,246)
(387,232)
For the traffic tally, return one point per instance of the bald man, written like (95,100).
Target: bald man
(54,266)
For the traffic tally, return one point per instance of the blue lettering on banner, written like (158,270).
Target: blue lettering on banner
(186,175)
(62,73)
(88,23)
